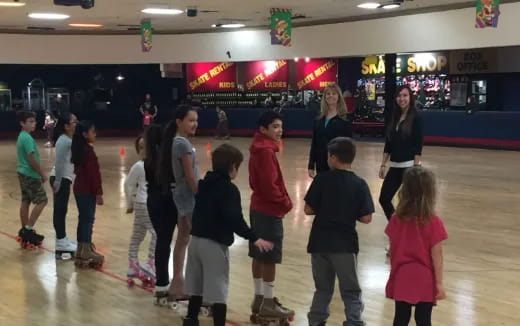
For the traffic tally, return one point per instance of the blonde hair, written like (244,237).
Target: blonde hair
(342,107)
(417,196)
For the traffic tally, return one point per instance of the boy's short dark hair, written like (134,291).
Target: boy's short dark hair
(225,157)
(343,148)
(23,115)
(137,140)
(267,118)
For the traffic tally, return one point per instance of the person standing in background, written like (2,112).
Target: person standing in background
(148,111)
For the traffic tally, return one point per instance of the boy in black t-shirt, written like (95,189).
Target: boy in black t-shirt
(339,199)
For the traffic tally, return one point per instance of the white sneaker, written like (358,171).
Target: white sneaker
(66,245)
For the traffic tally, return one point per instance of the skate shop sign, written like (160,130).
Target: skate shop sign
(211,76)
(316,74)
(408,64)
(266,75)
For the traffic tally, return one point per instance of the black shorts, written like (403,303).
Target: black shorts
(269,228)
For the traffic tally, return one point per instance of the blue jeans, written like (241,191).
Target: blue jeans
(87,211)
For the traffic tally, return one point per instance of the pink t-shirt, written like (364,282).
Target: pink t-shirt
(412,277)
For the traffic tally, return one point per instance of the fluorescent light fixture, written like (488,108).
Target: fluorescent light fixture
(162,11)
(85,25)
(48,16)
(307,59)
(391,6)
(11,4)
(120,77)
(369,5)
(233,25)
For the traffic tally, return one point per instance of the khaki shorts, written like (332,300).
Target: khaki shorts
(32,190)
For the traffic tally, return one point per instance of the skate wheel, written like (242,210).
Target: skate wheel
(206,312)
(291,319)
(130,282)
(174,305)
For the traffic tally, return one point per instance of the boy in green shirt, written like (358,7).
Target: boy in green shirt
(31,179)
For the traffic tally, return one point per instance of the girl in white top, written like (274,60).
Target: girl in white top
(62,176)
(136,196)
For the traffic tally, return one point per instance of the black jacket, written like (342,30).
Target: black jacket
(321,136)
(218,211)
(404,148)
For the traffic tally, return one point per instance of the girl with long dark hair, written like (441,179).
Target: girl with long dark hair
(87,191)
(403,147)
(62,176)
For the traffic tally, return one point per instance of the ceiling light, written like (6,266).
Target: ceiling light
(48,15)
(234,25)
(307,59)
(296,59)
(162,11)
(391,6)
(120,77)
(85,25)
(369,5)
(11,4)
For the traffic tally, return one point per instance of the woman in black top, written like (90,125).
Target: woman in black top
(332,123)
(403,147)
(161,209)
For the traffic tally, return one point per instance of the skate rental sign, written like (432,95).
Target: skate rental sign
(316,74)
(211,76)
(266,75)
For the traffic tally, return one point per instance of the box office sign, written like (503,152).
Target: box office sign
(266,75)
(316,74)
(211,76)
(473,61)
(408,64)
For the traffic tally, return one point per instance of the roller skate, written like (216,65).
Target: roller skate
(87,257)
(160,296)
(255,308)
(148,269)
(29,239)
(65,249)
(135,272)
(272,313)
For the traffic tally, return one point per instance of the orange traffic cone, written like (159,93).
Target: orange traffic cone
(122,151)
(280,145)
(208,147)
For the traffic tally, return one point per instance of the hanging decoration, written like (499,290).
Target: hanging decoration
(146,35)
(281,25)
(487,13)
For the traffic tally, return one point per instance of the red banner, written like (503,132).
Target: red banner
(316,74)
(266,75)
(211,76)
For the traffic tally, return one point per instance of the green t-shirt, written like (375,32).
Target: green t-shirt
(25,145)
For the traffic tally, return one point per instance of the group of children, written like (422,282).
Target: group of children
(164,191)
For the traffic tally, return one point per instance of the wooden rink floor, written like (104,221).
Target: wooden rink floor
(479,201)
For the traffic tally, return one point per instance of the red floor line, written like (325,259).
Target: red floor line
(112,275)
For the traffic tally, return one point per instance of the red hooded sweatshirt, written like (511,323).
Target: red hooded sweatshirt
(265,178)
(88,177)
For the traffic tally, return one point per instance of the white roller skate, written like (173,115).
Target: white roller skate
(135,272)
(65,249)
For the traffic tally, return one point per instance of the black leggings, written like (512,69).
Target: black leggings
(393,180)
(163,214)
(403,313)
(61,204)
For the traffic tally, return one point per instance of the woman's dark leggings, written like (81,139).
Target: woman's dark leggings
(403,313)
(163,214)
(61,204)
(391,184)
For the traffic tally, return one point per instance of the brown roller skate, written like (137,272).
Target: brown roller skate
(87,257)
(273,313)
(255,308)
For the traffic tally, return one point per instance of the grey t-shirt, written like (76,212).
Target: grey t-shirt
(181,146)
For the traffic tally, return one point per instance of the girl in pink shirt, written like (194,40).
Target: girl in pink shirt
(416,236)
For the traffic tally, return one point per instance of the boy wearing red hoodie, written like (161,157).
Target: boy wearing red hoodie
(269,203)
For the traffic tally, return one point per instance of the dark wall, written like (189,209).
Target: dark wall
(86,83)
(349,72)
